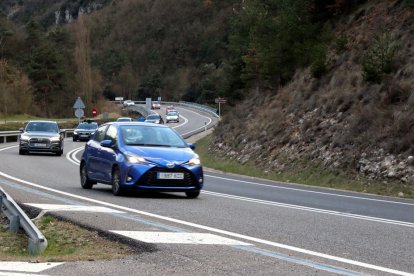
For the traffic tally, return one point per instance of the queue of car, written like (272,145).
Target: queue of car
(126,154)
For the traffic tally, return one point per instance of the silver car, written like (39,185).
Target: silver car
(172,116)
(41,136)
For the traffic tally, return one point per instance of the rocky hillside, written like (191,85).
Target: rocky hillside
(49,12)
(344,119)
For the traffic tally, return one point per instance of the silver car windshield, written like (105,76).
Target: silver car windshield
(151,136)
(42,127)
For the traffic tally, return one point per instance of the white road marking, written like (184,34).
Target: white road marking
(19,274)
(76,208)
(209,122)
(215,230)
(291,206)
(308,191)
(310,209)
(71,155)
(185,122)
(27,267)
(178,238)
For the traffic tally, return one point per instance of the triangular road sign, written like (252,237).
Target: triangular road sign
(79,104)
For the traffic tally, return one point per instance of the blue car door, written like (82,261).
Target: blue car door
(94,154)
(108,155)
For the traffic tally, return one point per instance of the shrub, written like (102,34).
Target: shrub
(318,66)
(379,58)
(409,3)
(340,44)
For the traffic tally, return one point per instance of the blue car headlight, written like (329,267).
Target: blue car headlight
(194,161)
(135,159)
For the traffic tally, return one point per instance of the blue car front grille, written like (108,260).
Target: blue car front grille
(150,178)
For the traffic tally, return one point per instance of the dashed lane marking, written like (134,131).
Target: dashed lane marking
(26,267)
(179,238)
(77,208)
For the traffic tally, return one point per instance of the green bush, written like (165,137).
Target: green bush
(319,64)
(340,44)
(379,58)
(409,3)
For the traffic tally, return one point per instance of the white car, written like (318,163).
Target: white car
(172,116)
(128,103)
(155,105)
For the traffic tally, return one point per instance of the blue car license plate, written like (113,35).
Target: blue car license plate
(162,175)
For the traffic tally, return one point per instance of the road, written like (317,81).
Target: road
(239,225)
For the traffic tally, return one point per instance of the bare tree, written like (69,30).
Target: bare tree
(83,60)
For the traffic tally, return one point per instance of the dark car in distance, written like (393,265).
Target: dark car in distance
(41,136)
(141,157)
(84,131)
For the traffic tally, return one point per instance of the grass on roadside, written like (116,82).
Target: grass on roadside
(309,174)
(66,242)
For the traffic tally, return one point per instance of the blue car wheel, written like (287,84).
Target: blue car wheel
(116,182)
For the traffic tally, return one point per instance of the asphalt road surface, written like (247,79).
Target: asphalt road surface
(238,225)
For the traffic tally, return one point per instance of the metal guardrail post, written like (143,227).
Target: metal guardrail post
(18,219)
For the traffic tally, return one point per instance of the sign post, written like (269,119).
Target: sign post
(79,106)
(219,101)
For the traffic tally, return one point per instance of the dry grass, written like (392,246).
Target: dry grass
(66,242)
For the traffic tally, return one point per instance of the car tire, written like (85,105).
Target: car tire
(116,182)
(192,194)
(74,140)
(86,183)
(22,152)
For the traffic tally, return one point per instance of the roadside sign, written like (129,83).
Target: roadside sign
(119,98)
(220,100)
(105,115)
(94,112)
(159,99)
(79,104)
(79,113)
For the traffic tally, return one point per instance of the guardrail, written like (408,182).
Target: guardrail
(139,107)
(5,134)
(18,219)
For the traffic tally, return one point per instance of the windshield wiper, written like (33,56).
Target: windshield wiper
(149,145)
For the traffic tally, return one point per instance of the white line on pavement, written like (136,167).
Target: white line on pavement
(178,238)
(291,206)
(26,267)
(215,230)
(308,191)
(77,208)
(310,209)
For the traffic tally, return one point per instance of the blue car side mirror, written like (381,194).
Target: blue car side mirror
(107,143)
(192,146)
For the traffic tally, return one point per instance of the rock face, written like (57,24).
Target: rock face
(49,12)
(339,121)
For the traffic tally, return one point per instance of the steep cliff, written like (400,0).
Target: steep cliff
(342,120)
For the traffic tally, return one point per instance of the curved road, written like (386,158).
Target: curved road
(280,229)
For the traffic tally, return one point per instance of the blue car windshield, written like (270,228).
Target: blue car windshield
(88,126)
(139,135)
(42,127)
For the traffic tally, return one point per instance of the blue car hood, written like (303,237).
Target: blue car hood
(162,155)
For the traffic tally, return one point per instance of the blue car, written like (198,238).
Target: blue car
(143,157)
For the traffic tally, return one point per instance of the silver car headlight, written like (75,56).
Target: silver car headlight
(24,138)
(55,139)
(157,121)
(75,132)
